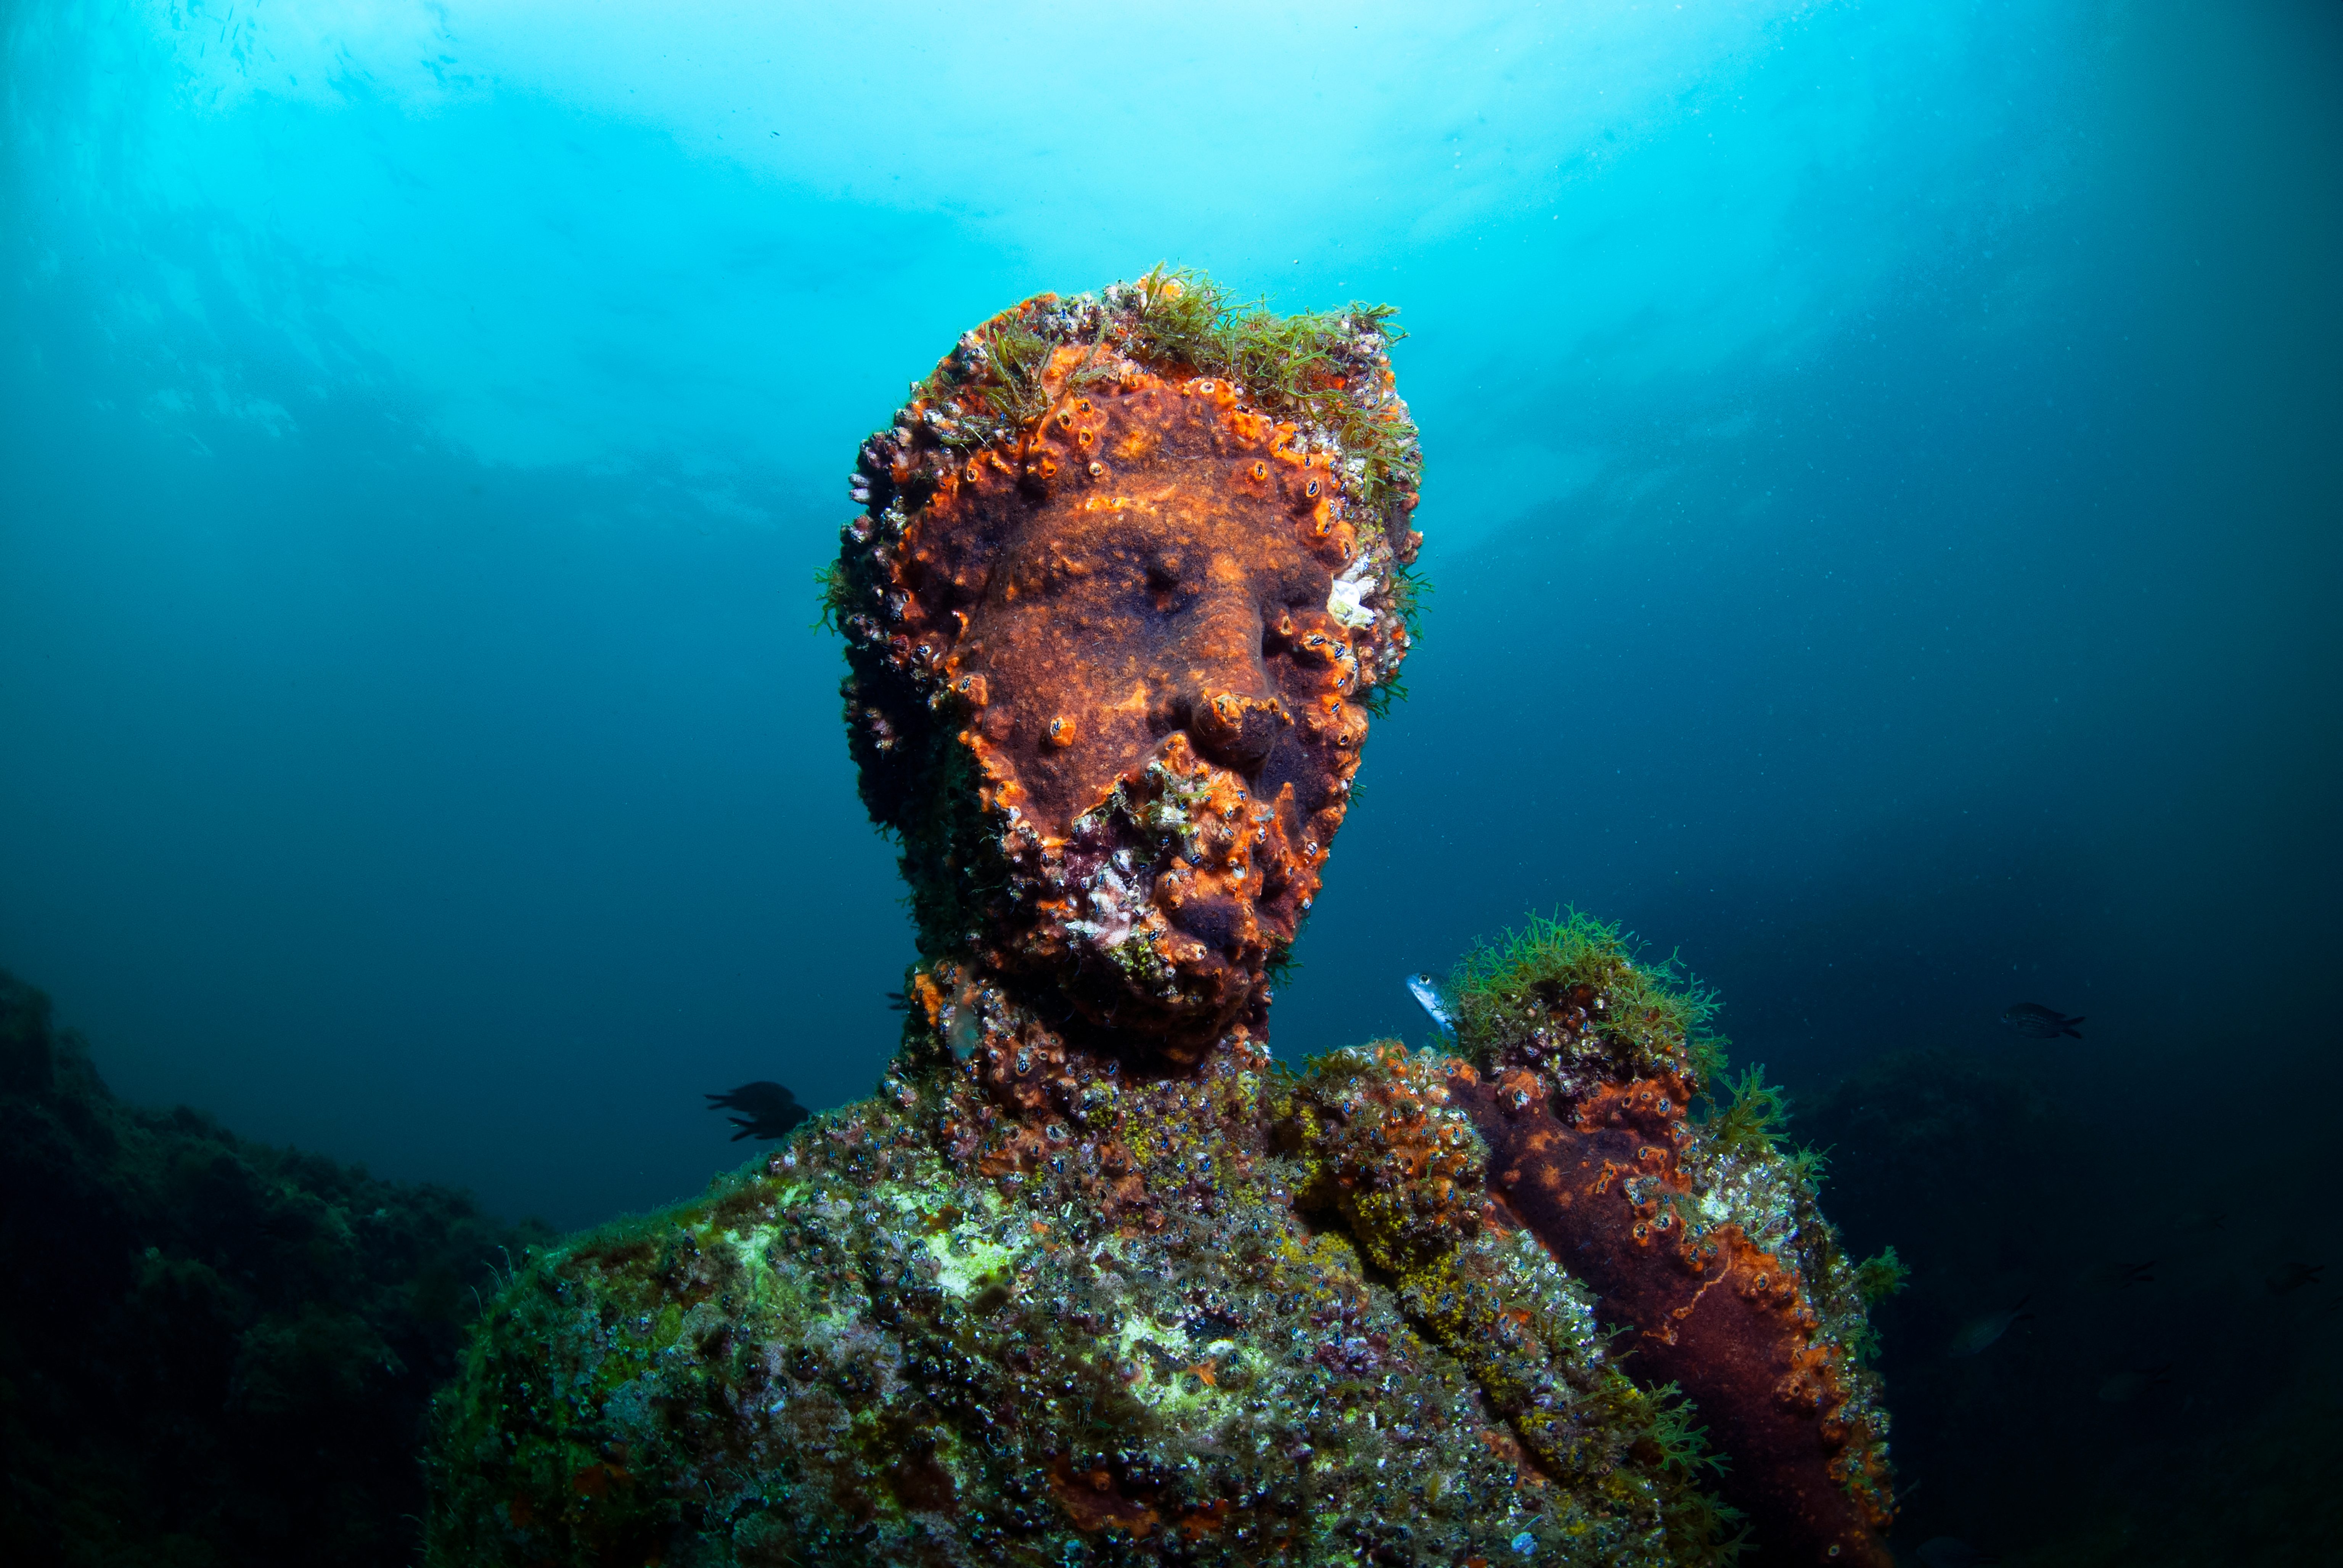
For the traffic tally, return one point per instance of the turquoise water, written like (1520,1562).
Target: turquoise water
(1882,505)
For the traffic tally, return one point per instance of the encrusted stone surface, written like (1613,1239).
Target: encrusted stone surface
(1111,662)
(1089,1281)
(1122,1345)
(1606,1185)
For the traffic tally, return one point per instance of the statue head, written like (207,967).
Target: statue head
(1130,581)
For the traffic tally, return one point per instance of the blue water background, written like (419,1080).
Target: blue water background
(1883,501)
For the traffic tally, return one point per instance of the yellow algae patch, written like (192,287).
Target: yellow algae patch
(1178,1373)
(969,1257)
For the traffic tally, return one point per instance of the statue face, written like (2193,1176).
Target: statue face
(1169,705)
(1148,621)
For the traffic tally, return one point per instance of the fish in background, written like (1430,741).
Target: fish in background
(1426,991)
(2122,1387)
(2032,1020)
(2123,1276)
(771,1108)
(2293,1277)
(1976,1336)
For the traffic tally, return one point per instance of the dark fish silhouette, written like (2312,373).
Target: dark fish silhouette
(2034,1022)
(1976,1336)
(2293,1277)
(2121,1275)
(771,1110)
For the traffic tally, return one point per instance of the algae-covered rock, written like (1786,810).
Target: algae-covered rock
(212,1351)
(863,1351)
(1088,1282)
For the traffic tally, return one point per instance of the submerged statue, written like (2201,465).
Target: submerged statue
(1090,1280)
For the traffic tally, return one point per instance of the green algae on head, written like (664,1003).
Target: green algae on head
(1292,363)
(1568,988)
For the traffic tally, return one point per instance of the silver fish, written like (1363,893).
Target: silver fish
(1426,991)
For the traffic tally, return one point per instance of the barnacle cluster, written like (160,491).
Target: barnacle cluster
(1090,1280)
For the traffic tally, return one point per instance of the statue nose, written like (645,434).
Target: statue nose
(1233,728)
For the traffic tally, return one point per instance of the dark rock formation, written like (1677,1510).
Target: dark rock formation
(211,1350)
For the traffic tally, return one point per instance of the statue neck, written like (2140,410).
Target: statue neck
(1013,1089)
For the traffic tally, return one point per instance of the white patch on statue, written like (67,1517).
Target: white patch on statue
(1351,587)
